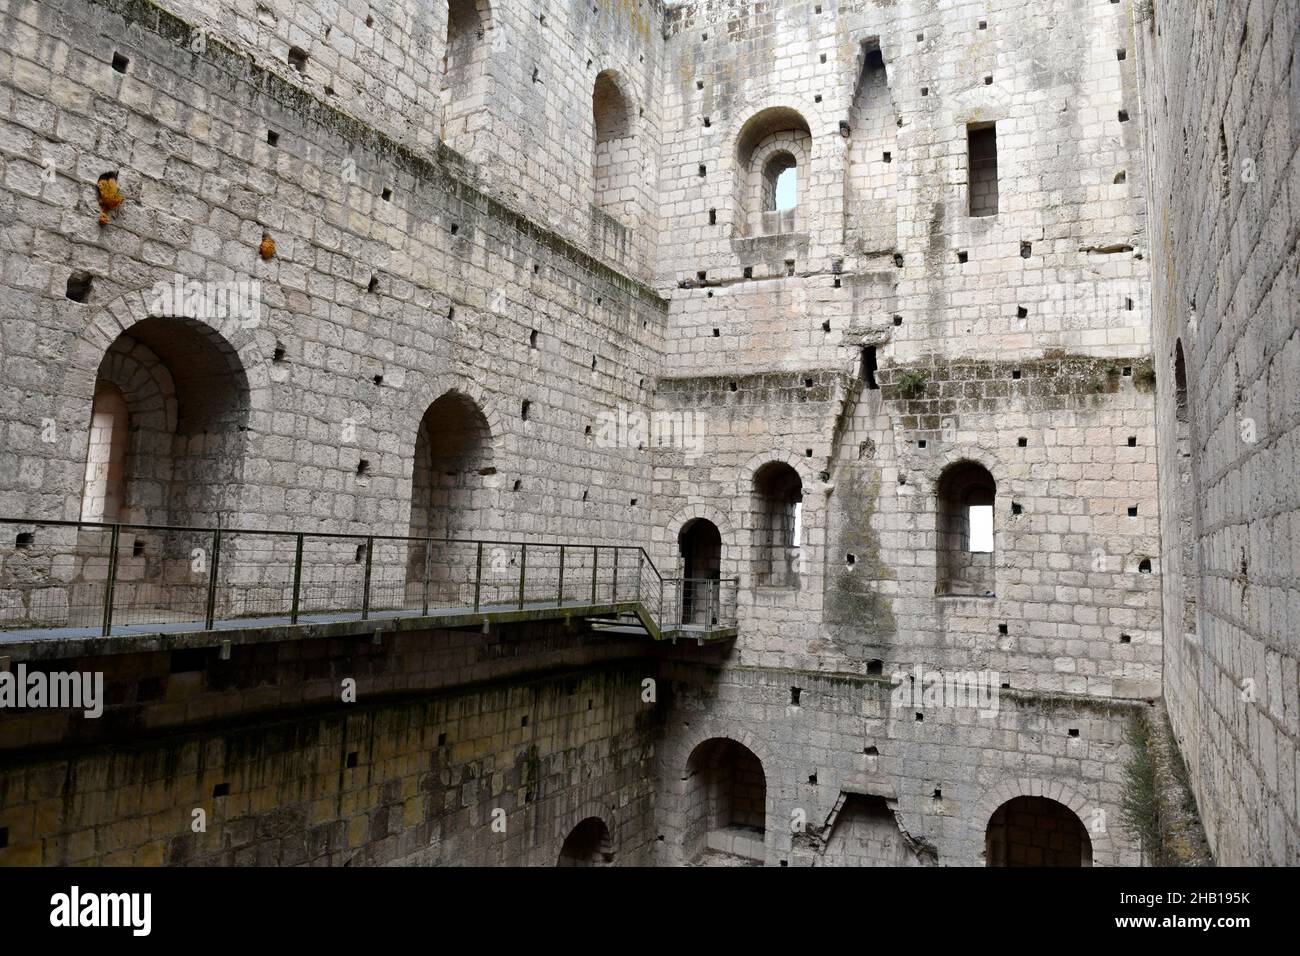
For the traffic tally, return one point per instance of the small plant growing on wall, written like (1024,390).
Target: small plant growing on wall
(911,384)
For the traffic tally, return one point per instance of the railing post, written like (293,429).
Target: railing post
(661,603)
(111,581)
(211,614)
(297,581)
(595,556)
(523,569)
(614,590)
(478,576)
(365,588)
(428,560)
(559,594)
(640,566)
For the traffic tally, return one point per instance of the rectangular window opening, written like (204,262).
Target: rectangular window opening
(982,160)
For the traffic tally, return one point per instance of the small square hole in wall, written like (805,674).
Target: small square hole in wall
(807,383)
(519,484)
(812,779)
(523,721)
(1120,177)
(278,355)
(717,333)
(988,81)
(921,444)
(1006,685)
(378,379)
(707,122)
(920,38)
(875,668)
(789,267)
(699,84)
(1015,373)
(1121,54)
(455,228)
(823,58)
(272,138)
(898,259)
(733,386)
(298,59)
(962,257)
(120,63)
(1025,249)
(1127,370)
(1016,508)
(704,170)
(919,717)
(137,548)
(1074,731)
(1132,441)
(794,696)
(524,409)
(749,272)
(713,217)
(79,285)
(826,326)
(532,339)
(925,91)
(352,760)
(221,790)
(983,25)
(373,285)
(1126,639)
(808,452)
(870,751)
(359,555)
(591,705)
(1022,312)
(1123,116)
(817,98)
(1022,442)
(25,539)
(702,276)
(1002,629)
(1144,566)
(386,195)
(887,157)
(633,501)
(1133,512)
(442,740)
(898,320)
(850,559)
(363,468)
(938,793)
(1128,305)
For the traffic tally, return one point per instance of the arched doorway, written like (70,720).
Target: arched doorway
(724,802)
(450,500)
(588,844)
(700,546)
(165,448)
(1036,831)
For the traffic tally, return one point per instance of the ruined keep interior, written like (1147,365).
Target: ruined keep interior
(489,432)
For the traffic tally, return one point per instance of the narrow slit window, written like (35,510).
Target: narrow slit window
(982,156)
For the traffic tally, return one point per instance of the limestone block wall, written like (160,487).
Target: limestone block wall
(1221,101)
(942,777)
(393,282)
(1017,340)
(475,776)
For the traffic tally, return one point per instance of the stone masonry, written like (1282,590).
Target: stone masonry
(960,336)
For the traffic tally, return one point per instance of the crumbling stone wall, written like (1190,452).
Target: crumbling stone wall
(1221,102)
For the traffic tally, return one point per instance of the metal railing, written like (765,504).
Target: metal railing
(92,578)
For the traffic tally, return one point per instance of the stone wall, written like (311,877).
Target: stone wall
(1221,106)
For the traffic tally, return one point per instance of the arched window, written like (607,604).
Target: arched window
(588,844)
(1183,490)
(615,169)
(771,149)
(700,546)
(777,523)
(725,801)
(964,530)
(1036,831)
(463,90)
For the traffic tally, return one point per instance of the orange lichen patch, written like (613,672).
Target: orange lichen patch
(267,247)
(110,196)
